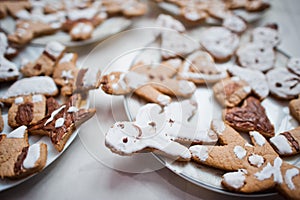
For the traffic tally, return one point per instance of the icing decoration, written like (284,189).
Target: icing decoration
(289,174)
(67,74)
(259,139)
(200,151)
(270,170)
(90,77)
(37,98)
(67,57)
(163,99)
(267,36)
(240,152)
(282,144)
(235,179)
(17,133)
(59,122)
(72,109)
(218,126)
(55,112)
(186,87)
(166,21)
(32,156)
(234,23)
(82,27)
(19,100)
(55,49)
(256,160)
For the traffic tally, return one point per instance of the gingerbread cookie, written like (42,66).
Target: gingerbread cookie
(251,168)
(158,130)
(268,35)
(19,159)
(1,122)
(220,42)
(45,63)
(13,7)
(251,116)
(62,122)
(199,67)
(30,86)
(294,107)
(154,84)
(287,143)
(256,79)
(256,56)
(294,65)
(27,110)
(283,84)
(231,91)
(235,24)
(129,8)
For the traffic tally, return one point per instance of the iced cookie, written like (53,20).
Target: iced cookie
(294,107)
(251,116)
(87,79)
(235,24)
(8,70)
(268,35)
(158,130)
(294,65)
(19,159)
(62,122)
(256,56)
(256,79)
(166,21)
(231,91)
(44,65)
(129,8)
(1,122)
(199,67)
(26,110)
(283,84)
(195,12)
(220,42)
(251,167)
(287,143)
(30,86)
(154,84)
(81,31)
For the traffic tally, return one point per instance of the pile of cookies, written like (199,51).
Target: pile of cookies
(79,18)
(46,97)
(162,125)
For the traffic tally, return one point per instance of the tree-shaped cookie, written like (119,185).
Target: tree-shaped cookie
(251,167)
(19,159)
(154,84)
(159,130)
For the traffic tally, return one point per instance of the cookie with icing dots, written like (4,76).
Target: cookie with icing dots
(27,110)
(30,86)
(231,91)
(294,107)
(199,67)
(220,42)
(256,56)
(250,167)
(287,143)
(19,159)
(45,63)
(294,65)
(154,84)
(251,116)
(62,122)
(283,84)
(159,131)
(256,79)
(268,35)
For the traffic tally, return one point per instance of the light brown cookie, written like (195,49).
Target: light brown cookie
(154,84)
(14,7)
(27,110)
(287,143)
(1,122)
(251,116)
(19,159)
(294,107)
(62,122)
(158,130)
(251,168)
(199,67)
(220,42)
(283,84)
(87,79)
(44,65)
(231,91)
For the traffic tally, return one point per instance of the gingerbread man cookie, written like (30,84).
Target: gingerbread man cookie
(294,107)
(45,63)
(252,168)
(251,116)
(158,130)
(154,84)
(19,159)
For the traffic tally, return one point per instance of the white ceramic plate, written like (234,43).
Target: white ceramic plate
(53,154)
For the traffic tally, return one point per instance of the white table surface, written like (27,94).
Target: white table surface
(87,170)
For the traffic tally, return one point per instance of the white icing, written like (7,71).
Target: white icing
(67,74)
(53,114)
(135,80)
(10,50)
(90,77)
(19,100)
(175,62)
(294,65)
(234,23)
(256,160)
(32,157)
(192,15)
(163,99)
(239,152)
(235,179)
(67,57)
(33,85)
(288,177)
(37,98)
(218,126)
(267,36)
(200,152)
(235,79)
(259,139)
(82,28)
(87,13)
(55,49)
(17,133)
(3,43)
(59,122)
(282,144)
(248,145)
(166,21)
(247,89)
(270,170)
(72,109)
(186,87)
(220,42)
(112,77)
